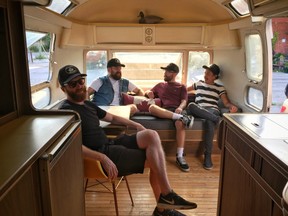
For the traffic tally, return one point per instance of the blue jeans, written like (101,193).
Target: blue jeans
(211,116)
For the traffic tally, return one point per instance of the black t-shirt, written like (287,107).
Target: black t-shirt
(93,136)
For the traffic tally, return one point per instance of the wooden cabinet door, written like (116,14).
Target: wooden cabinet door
(241,194)
(62,177)
(23,198)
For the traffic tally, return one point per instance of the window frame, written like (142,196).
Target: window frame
(44,85)
(251,78)
(184,62)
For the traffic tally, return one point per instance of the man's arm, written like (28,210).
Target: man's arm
(90,91)
(95,85)
(183,104)
(135,89)
(118,120)
(107,164)
(228,104)
(190,88)
(181,107)
(149,94)
(138,91)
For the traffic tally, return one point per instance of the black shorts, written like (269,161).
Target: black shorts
(126,155)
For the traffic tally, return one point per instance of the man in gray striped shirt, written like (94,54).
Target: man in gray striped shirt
(207,94)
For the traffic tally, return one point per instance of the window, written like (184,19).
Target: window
(196,60)
(96,62)
(59,6)
(254,57)
(240,6)
(143,68)
(41,98)
(255,98)
(39,47)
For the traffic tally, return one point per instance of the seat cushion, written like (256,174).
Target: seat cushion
(155,123)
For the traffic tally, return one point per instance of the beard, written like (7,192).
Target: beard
(116,75)
(167,79)
(79,95)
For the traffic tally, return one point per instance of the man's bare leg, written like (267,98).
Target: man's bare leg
(155,160)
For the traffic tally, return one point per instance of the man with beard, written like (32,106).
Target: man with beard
(108,90)
(127,154)
(174,99)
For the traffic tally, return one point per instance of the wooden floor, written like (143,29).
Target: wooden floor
(198,185)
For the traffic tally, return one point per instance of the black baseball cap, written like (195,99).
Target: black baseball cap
(67,73)
(114,62)
(171,67)
(213,68)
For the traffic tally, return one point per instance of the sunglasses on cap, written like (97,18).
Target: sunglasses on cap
(73,84)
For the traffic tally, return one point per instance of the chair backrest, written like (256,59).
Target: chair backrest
(93,169)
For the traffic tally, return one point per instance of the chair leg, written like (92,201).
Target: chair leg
(115,198)
(130,194)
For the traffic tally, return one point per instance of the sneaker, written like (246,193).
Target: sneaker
(208,165)
(174,201)
(187,121)
(167,212)
(184,112)
(181,162)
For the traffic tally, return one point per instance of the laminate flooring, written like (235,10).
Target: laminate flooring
(198,185)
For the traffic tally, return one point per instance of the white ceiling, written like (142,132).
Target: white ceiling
(173,11)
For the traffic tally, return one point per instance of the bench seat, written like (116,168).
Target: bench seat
(167,133)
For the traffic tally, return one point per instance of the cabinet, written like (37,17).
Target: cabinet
(41,166)
(61,174)
(24,197)
(254,164)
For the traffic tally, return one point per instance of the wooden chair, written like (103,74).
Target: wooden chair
(93,170)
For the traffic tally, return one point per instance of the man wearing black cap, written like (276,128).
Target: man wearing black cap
(108,90)
(208,94)
(127,154)
(174,98)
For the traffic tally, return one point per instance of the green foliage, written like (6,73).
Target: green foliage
(285,68)
(276,58)
(40,56)
(280,62)
(46,42)
(41,45)
(33,48)
(274,39)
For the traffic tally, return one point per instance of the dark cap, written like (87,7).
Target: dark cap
(67,73)
(114,62)
(171,67)
(213,68)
